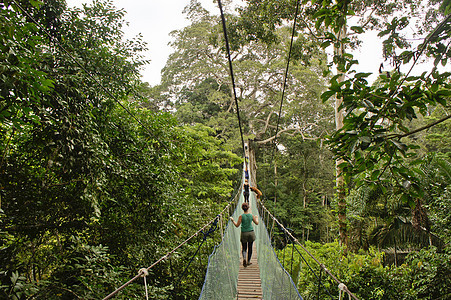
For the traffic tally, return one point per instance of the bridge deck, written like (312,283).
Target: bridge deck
(249,283)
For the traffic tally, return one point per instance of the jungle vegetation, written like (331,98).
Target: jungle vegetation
(102,174)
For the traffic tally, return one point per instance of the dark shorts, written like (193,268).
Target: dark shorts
(247,237)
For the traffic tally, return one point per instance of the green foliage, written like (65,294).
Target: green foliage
(80,160)
(17,288)
(98,182)
(259,19)
(22,80)
(346,269)
(304,186)
(372,142)
(435,139)
(373,149)
(379,217)
(435,174)
(196,76)
(430,273)
(425,274)
(85,272)
(205,165)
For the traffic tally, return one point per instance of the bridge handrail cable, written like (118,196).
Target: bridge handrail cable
(143,271)
(341,285)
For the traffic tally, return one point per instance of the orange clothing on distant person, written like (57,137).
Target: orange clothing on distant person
(257,191)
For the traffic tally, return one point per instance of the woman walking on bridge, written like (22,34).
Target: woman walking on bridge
(246,190)
(247,232)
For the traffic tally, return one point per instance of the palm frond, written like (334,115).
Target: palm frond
(400,233)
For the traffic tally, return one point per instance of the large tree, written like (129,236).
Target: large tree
(197,71)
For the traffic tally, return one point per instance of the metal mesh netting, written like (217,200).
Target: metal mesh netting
(276,282)
(223,264)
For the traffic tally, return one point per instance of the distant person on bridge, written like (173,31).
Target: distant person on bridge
(246,169)
(246,190)
(257,191)
(247,232)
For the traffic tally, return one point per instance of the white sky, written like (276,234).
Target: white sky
(155,19)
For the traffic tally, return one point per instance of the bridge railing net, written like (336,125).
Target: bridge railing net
(223,264)
(276,281)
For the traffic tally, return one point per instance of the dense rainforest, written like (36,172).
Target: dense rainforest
(102,174)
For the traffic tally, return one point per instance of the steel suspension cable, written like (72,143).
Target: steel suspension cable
(293,31)
(281,228)
(158,261)
(144,270)
(213,227)
(232,77)
(164,256)
(322,266)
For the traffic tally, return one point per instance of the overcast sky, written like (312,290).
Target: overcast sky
(155,19)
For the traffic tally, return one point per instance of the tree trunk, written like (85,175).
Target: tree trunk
(252,164)
(305,194)
(327,234)
(304,182)
(275,193)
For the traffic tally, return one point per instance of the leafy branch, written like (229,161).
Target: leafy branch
(419,129)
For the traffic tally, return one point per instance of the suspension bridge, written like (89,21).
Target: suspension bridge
(266,278)
(227,279)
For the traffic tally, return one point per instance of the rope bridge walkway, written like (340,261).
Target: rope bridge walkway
(249,282)
(266,278)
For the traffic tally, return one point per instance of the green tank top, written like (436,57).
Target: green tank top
(246,223)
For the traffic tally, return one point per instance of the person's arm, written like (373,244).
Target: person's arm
(237,224)
(255,219)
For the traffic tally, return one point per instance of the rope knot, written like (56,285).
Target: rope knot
(212,229)
(215,222)
(342,286)
(143,272)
